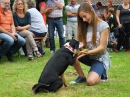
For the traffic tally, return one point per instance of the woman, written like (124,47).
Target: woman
(122,16)
(22,20)
(105,12)
(93,33)
(41,7)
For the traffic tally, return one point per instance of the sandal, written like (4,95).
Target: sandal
(30,58)
(37,54)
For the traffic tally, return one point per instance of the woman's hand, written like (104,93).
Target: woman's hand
(32,34)
(19,28)
(83,53)
(119,25)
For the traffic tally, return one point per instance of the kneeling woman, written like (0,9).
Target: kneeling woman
(22,20)
(93,33)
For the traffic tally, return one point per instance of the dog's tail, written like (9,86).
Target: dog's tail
(37,88)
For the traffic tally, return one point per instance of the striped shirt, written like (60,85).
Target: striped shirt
(57,12)
(6,19)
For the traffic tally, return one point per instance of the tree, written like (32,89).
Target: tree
(64,15)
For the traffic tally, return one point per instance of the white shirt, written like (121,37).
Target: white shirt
(37,22)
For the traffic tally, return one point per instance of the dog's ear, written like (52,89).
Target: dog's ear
(76,48)
(67,40)
(76,45)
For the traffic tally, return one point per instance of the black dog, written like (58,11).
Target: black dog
(49,80)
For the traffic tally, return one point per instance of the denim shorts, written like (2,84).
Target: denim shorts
(95,65)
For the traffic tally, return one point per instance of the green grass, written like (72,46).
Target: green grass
(17,78)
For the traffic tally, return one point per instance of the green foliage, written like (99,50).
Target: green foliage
(64,14)
(11,3)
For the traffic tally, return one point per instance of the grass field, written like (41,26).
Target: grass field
(17,78)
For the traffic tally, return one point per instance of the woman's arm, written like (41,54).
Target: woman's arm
(20,28)
(102,45)
(60,6)
(44,10)
(118,19)
(103,41)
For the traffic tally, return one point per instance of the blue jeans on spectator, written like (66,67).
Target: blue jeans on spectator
(58,24)
(9,45)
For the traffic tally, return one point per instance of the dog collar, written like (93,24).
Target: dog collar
(69,47)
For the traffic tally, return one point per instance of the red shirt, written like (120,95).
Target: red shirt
(43,4)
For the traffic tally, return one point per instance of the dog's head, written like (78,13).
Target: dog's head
(75,45)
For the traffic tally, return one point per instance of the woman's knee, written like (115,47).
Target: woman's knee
(91,82)
(25,33)
(92,79)
(28,33)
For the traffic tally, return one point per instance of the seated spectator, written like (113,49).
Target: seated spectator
(22,20)
(112,24)
(38,27)
(12,41)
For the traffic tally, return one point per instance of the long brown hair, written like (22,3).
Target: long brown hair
(83,26)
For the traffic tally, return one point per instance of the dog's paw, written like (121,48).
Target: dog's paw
(66,85)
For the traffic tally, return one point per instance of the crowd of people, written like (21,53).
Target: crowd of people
(86,22)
